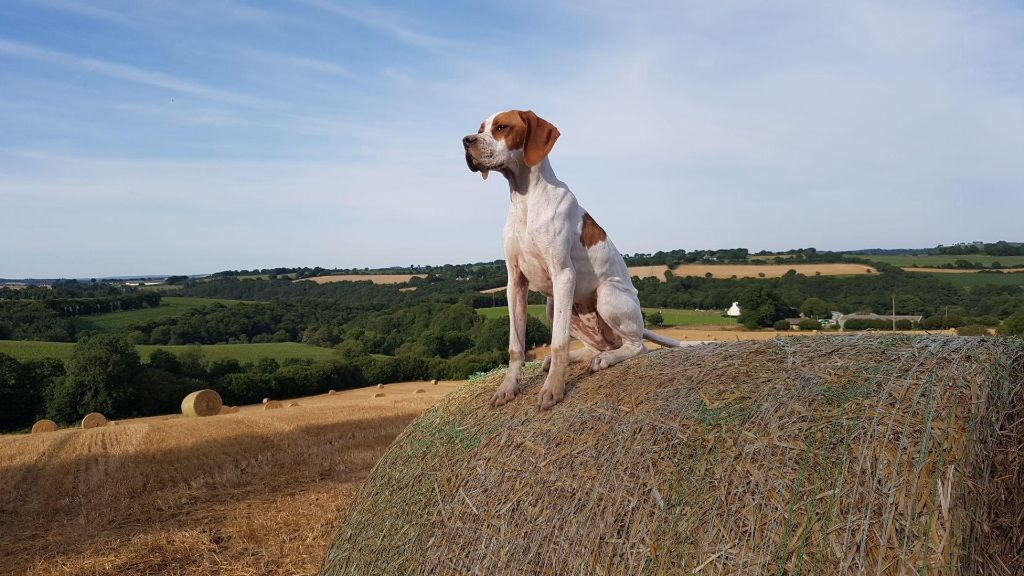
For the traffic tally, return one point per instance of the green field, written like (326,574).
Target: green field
(25,350)
(170,306)
(672,316)
(969,280)
(929,260)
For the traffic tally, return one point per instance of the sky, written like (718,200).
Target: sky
(178,137)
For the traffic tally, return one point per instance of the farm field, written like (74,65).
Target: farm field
(965,280)
(252,493)
(375,278)
(926,260)
(170,306)
(31,350)
(752,270)
(671,316)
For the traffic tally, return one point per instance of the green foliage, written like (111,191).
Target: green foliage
(972,330)
(761,306)
(809,324)
(1014,325)
(102,376)
(782,325)
(815,308)
(654,319)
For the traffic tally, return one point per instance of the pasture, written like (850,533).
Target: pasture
(931,260)
(30,350)
(672,317)
(170,306)
(375,278)
(252,493)
(979,279)
(752,270)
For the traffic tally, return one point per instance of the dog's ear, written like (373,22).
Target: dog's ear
(540,137)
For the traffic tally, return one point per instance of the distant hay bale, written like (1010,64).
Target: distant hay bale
(377,395)
(843,455)
(94,420)
(293,404)
(228,409)
(272,405)
(380,385)
(265,400)
(201,403)
(44,426)
(419,391)
(433,382)
(331,392)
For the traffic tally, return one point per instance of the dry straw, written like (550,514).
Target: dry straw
(380,385)
(331,392)
(293,404)
(44,426)
(94,420)
(272,405)
(201,403)
(228,410)
(419,391)
(433,382)
(839,455)
(377,395)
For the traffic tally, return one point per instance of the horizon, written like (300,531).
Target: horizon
(234,135)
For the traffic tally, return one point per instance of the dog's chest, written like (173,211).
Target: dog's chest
(527,251)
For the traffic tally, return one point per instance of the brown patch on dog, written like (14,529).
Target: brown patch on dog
(592,232)
(481,128)
(509,126)
(540,138)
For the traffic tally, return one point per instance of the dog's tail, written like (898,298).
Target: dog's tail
(662,340)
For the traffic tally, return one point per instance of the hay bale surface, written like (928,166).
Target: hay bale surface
(44,426)
(201,403)
(94,420)
(839,455)
(433,382)
(272,405)
(331,392)
(228,409)
(379,386)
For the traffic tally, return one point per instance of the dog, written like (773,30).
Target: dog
(555,247)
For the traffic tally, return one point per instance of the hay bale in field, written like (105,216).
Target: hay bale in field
(433,382)
(377,395)
(94,420)
(419,391)
(379,386)
(201,403)
(229,410)
(265,400)
(44,426)
(331,392)
(272,405)
(839,455)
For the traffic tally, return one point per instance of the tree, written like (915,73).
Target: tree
(1013,326)
(654,319)
(761,306)
(782,325)
(102,376)
(815,308)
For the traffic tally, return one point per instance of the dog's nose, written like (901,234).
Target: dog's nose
(468,140)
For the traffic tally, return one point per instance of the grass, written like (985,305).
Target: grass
(27,350)
(170,306)
(984,279)
(672,317)
(928,260)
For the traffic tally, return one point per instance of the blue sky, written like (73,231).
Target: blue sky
(147,137)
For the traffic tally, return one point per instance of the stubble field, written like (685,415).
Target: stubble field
(252,493)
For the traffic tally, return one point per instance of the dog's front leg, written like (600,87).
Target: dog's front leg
(516,292)
(563,288)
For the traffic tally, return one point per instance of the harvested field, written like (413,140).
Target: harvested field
(959,270)
(844,455)
(375,278)
(251,493)
(752,270)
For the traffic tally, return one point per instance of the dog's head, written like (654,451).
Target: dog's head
(509,139)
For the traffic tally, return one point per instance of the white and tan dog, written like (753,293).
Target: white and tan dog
(553,246)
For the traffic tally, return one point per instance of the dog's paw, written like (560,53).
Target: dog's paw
(546,365)
(598,362)
(503,395)
(549,396)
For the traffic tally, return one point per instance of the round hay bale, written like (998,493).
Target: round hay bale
(293,404)
(377,395)
(272,405)
(847,454)
(228,409)
(94,420)
(379,386)
(265,400)
(419,391)
(201,403)
(331,392)
(44,426)
(433,382)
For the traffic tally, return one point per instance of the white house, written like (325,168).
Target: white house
(734,310)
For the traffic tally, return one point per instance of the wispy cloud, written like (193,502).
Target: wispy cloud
(392,24)
(129,74)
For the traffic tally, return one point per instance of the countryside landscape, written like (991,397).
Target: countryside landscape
(262,491)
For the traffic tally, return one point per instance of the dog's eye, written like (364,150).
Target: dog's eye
(501,127)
